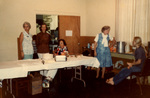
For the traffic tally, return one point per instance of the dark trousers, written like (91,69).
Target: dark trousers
(125,72)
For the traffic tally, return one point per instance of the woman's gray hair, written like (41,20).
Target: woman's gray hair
(27,24)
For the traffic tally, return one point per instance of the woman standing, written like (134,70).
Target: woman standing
(26,42)
(43,41)
(136,66)
(102,51)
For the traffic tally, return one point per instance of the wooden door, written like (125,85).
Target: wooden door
(71,23)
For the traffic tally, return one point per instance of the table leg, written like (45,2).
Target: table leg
(9,87)
(78,73)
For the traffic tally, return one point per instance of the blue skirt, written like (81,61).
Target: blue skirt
(104,57)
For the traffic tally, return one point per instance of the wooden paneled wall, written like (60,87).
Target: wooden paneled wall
(84,40)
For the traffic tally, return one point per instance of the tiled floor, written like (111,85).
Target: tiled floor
(94,89)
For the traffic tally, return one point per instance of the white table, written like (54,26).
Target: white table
(20,68)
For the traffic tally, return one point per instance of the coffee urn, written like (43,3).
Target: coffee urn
(121,47)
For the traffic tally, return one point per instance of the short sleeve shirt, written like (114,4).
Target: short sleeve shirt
(140,54)
(60,50)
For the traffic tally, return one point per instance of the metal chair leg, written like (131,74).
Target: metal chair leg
(138,78)
(130,82)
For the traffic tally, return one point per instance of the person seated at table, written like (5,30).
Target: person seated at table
(62,48)
(136,66)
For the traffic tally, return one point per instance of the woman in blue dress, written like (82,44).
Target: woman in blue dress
(102,51)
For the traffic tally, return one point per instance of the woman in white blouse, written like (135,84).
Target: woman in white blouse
(102,51)
(26,42)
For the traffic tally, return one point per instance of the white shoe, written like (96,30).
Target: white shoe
(0,84)
(45,84)
(130,77)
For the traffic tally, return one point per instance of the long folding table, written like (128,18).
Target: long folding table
(20,68)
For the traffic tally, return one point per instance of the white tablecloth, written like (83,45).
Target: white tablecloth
(20,68)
